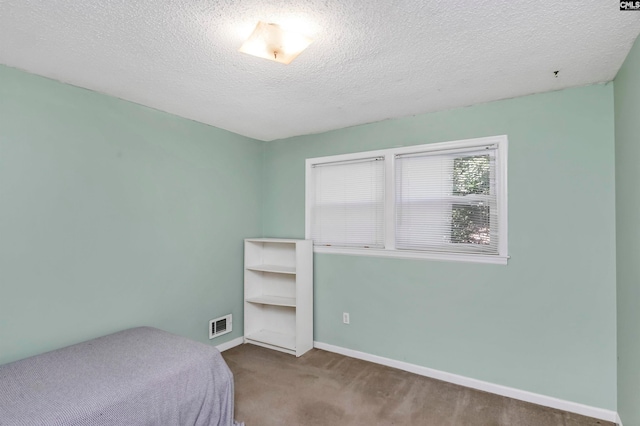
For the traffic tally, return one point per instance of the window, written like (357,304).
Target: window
(348,200)
(446,202)
(440,201)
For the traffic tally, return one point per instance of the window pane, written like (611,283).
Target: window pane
(446,201)
(470,224)
(348,204)
(471,175)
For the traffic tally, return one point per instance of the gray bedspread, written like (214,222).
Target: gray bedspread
(140,376)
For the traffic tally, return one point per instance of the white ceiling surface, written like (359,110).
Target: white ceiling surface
(371,60)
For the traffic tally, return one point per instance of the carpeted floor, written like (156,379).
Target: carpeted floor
(323,388)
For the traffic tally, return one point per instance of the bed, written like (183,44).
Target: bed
(139,376)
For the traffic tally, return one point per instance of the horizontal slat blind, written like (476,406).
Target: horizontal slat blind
(446,201)
(347,206)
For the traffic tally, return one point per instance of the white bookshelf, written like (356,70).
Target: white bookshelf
(278,294)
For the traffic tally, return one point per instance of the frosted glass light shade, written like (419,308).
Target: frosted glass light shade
(270,41)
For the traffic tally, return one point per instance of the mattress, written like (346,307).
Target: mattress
(139,376)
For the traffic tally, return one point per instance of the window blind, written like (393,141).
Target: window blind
(446,201)
(347,203)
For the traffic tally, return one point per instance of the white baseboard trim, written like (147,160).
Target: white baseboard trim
(230,344)
(548,401)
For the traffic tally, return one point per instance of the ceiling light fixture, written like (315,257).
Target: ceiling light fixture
(270,41)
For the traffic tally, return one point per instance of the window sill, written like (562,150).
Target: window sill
(408,254)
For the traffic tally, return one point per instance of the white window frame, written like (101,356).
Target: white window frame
(500,141)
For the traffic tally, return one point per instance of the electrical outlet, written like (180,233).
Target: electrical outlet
(345,317)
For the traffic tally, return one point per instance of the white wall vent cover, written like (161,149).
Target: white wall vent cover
(220,326)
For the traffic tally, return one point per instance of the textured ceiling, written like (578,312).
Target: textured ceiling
(370,60)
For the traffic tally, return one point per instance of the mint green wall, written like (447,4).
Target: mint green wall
(114,215)
(545,323)
(627,125)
